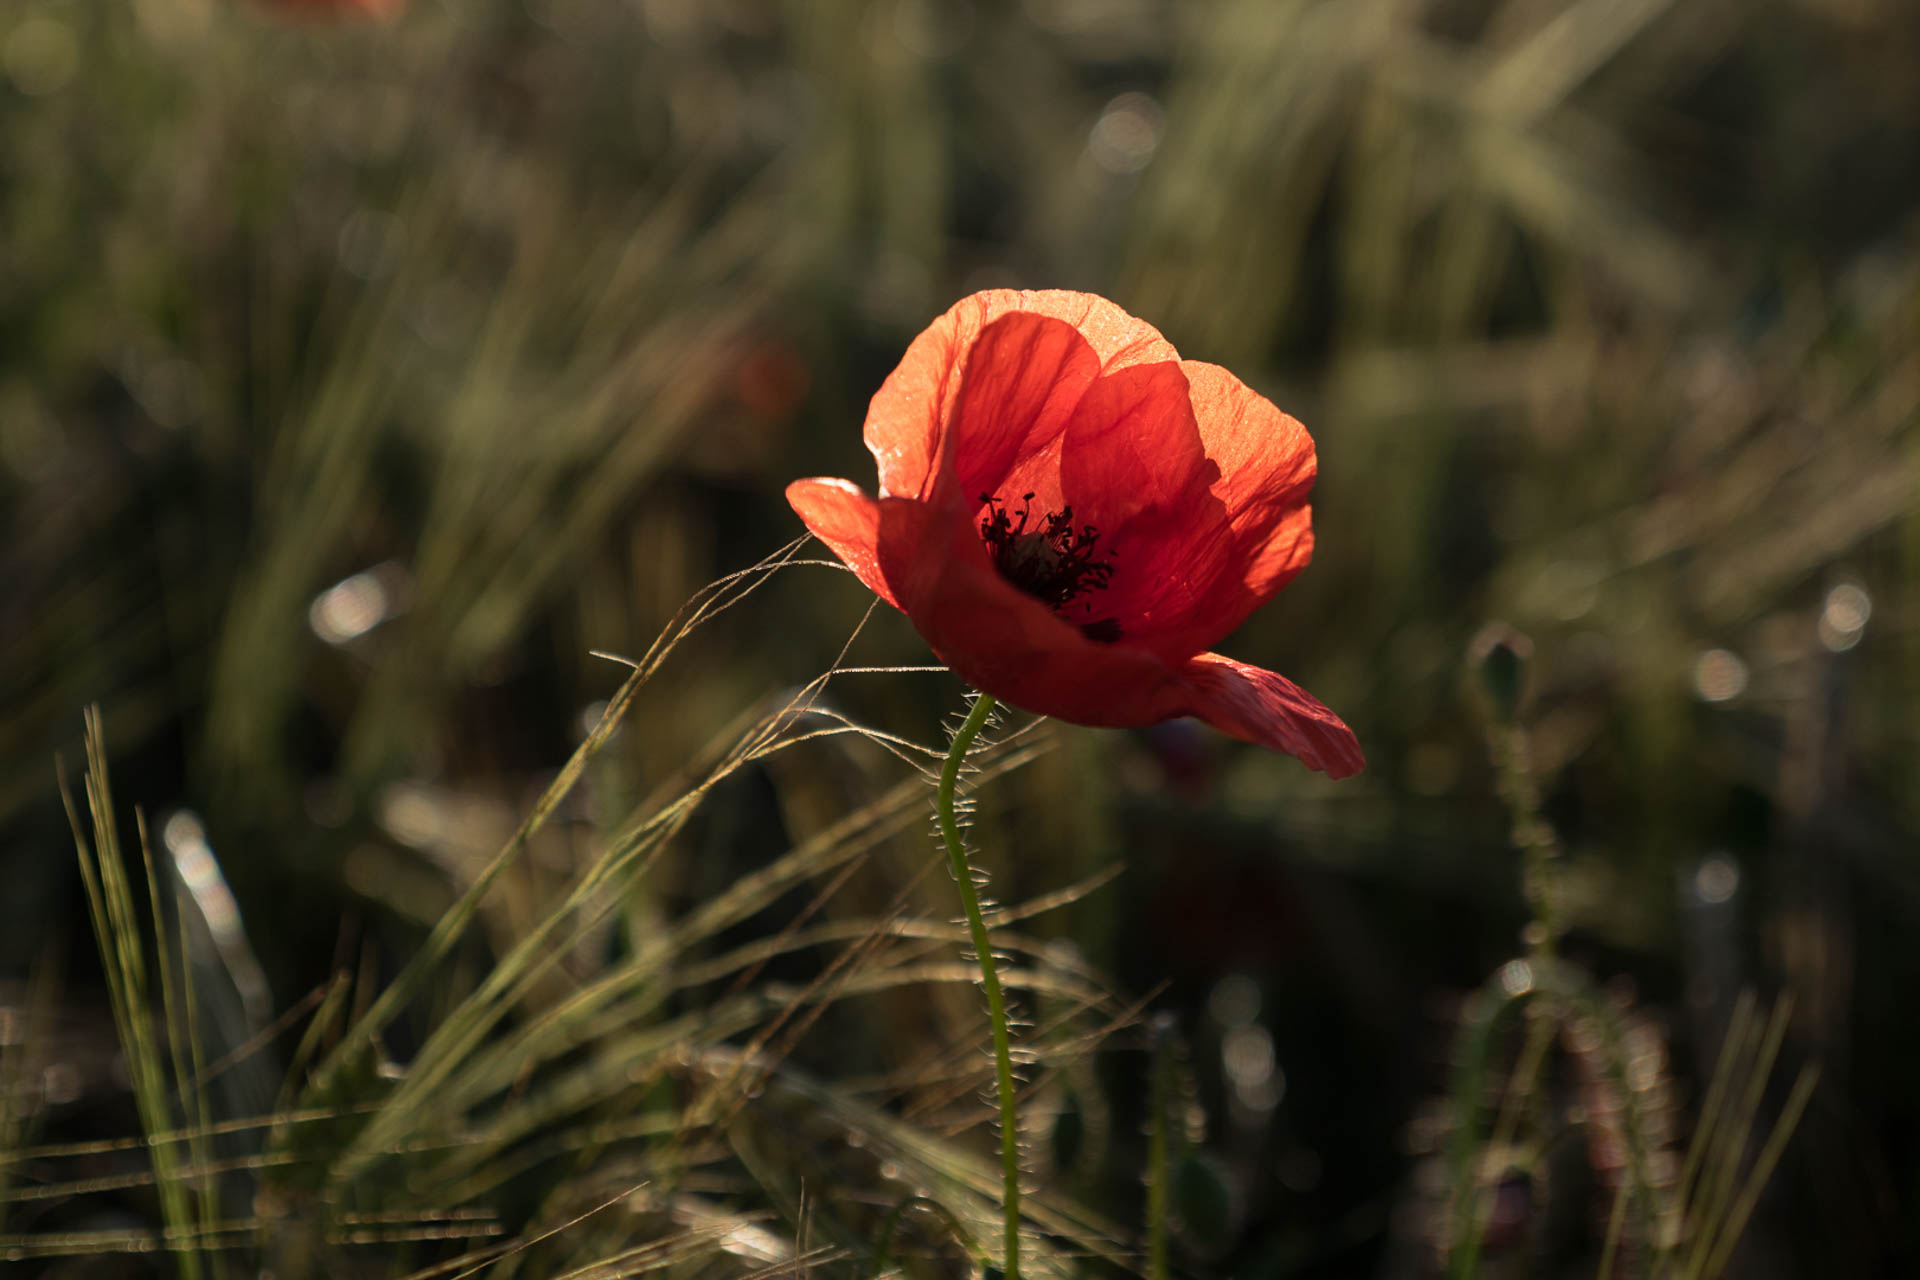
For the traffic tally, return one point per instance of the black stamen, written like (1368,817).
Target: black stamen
(1054,562)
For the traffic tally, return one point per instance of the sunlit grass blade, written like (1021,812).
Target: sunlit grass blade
(1722,1202)
(119,934)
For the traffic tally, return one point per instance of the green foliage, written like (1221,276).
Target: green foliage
(657,1101)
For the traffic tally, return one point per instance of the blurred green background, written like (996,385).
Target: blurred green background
(359,376)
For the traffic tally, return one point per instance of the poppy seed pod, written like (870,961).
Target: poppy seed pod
(1499,656)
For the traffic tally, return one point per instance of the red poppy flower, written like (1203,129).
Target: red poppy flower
(1070,514)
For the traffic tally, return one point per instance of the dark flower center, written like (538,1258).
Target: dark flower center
(1053,561)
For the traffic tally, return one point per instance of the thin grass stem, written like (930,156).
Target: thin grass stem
(1616,1226)
(1762,1171)
(883,1252)
(1718,1087)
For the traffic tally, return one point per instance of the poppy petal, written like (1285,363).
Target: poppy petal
(1132,447)
(1235,553)
(1267,469)
(1267,709)
(1266,457)
(910,413)
(848,521)
(1003,641)
(1027,657)
(1025,377)
(1007,644)
(1132,467)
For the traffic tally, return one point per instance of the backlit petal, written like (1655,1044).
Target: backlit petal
(1008,644)
(1132,447)
(1024,378)
(1262,707)
(1132,465)
(1012,646)
(1236,552)
(1267,469)
(848,521)
(908,417)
